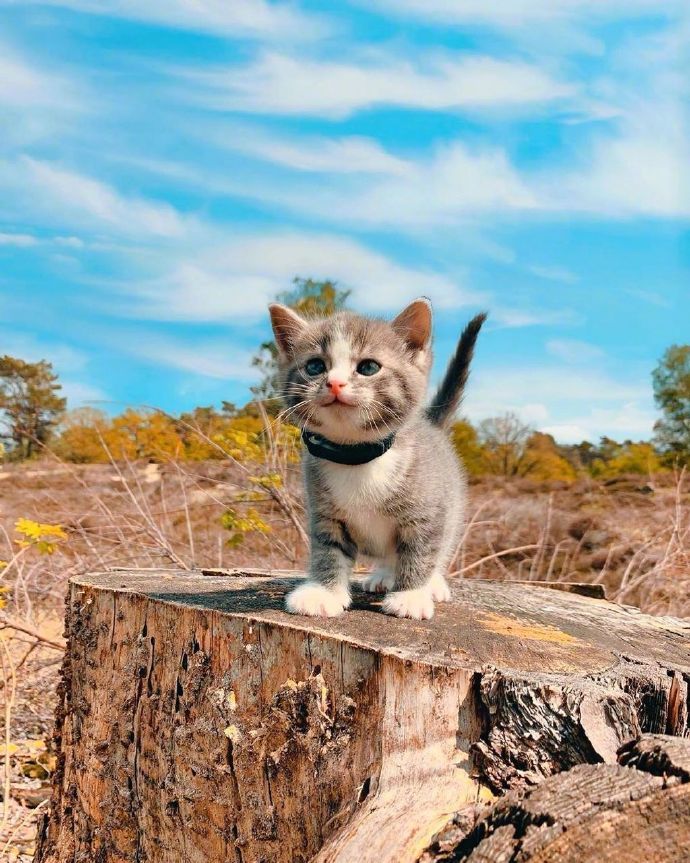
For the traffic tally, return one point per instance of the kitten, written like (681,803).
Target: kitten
(382,476)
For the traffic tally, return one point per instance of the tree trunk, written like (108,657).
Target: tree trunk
(199,722)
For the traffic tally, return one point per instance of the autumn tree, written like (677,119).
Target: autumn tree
(671,380)
(543,460)
(82,434)
(310,298)
(504,439)
(466,442)
(638,458)
(31,404)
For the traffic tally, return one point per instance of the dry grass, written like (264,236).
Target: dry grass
(630,536)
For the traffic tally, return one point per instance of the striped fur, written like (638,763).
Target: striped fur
(404,509)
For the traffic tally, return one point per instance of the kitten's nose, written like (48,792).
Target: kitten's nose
(335,385)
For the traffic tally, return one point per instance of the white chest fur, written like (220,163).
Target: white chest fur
(359,492)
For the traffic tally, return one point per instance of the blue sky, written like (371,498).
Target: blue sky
(167,166)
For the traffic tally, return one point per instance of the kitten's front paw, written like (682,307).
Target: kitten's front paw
(440,592)
(380,581)
(417,604)
(316,600)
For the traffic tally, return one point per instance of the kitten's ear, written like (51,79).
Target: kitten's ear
(414,323)
(287,326)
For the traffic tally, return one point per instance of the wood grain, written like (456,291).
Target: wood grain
(199,722)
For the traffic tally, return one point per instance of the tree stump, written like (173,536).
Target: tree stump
(199,722)
(600,812)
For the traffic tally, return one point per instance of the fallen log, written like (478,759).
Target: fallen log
(197,721)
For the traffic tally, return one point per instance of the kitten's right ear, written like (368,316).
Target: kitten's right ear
(287,326)
(414,323)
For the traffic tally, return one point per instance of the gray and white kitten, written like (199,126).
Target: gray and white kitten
(353,379)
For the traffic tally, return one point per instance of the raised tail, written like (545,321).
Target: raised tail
(447,398)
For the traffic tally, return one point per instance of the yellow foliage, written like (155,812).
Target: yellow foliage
(542,461)
(240,524)
(466,443)
(639,458)
(43,537)
(133,435)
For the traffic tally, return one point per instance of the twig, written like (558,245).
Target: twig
(496,554)
(27,629)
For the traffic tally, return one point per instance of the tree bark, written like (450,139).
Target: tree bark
(608,813)
(199,722)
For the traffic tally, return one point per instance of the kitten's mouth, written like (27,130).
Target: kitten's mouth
(338,401)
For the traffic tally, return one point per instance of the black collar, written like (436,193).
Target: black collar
(346,453)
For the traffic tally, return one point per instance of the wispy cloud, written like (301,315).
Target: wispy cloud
(654,298)
(313,154)
(571,405)
(22,85)
(507,316)
(80,394)
(237,278)
(68,199)
(524,13)
(65,358)
(205,358)
(248,18)
(555,274)
(21,240)
(281,84)
(573,351)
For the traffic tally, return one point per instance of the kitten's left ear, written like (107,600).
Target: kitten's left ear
(414,323)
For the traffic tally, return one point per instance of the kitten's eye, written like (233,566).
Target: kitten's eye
(314,367)
(368,367)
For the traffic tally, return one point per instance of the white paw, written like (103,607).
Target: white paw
(417,604)
(440,592)
(379,581)
(316,600)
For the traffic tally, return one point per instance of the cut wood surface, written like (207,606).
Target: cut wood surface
(605,813)
(199,722)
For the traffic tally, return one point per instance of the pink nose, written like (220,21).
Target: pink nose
(335,385)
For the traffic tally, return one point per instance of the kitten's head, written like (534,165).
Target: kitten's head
(352,378)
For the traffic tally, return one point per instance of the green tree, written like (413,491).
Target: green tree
(671,380)
(310,298)
(31,404)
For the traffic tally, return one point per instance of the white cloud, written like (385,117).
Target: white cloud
(254,18)
(630,420)
(65,358)
(569,404)
(573,351)
(555,274)
(453,183)
(71,199)
(524,13)
(24,86)
(80,394)
(654,298)
(279,84)
(21,240)
(507,316)
(238,278)
(209,359)
(351,155)
(638,172)
(494,391)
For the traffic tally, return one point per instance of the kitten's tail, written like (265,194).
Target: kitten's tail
(448,396)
